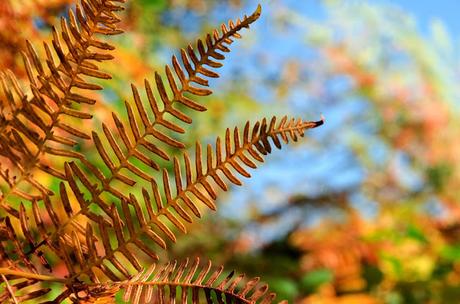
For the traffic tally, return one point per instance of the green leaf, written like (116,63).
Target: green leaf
(157,5)
(416,234)
(451,253)
(438,175)
(314,279)
(284,288)
(373,276)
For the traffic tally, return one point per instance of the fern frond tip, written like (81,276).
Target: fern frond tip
(256,14)
(258,10)
(315,124)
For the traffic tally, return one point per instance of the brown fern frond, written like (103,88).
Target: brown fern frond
(176,282)
(227,160)
(23,257)
(20,267)
(65,229)
(33,127)
(98,242)
(150,136)
(184,283)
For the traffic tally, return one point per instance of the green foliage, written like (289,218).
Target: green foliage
(311,281)
(438,176)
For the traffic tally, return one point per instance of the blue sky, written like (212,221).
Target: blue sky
(295,175)
(425,11)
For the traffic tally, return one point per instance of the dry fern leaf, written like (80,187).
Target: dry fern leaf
(135,139)
(222,164)
(149,135)
(182,282)
(185,283)
(31,127)
(59,210)
(29,131)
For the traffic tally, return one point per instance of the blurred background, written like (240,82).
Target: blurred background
(366,209)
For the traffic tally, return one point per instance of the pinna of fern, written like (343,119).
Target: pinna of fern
(97,267)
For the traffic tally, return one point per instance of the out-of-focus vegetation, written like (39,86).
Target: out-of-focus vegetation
(368,211)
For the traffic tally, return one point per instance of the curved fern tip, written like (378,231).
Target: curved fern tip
(254,16)
(314,124)
(258,10)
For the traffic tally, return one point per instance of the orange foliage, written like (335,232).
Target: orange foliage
(17,24)
(326,295)
(338,247)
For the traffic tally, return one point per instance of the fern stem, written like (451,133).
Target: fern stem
(28,275)
(10,291)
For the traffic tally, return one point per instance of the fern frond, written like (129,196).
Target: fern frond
(184,283)
(197,281)
(180,205)
(32,128)
(40,125)
(66,230)
(150,136)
